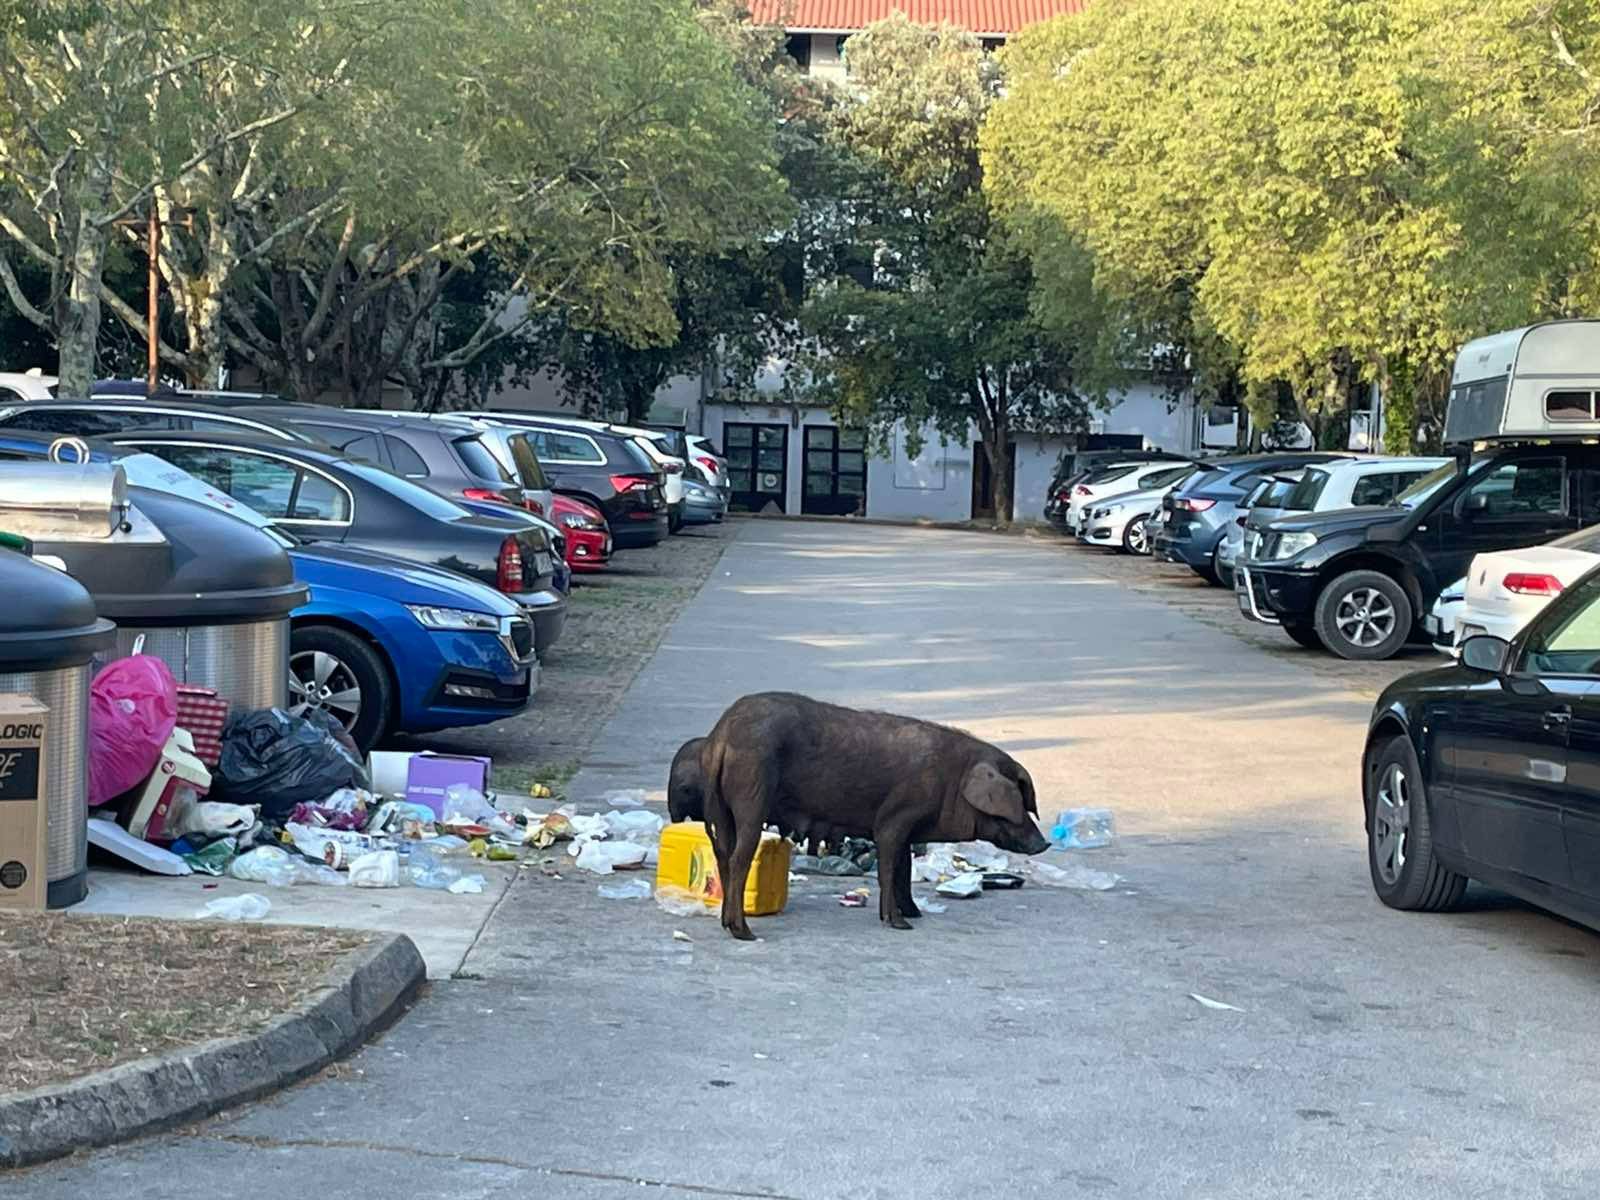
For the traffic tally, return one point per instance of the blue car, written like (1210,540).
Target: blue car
(384,645)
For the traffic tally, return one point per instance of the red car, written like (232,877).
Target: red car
(588,536)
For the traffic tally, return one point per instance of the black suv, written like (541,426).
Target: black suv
(1359,581)
(607,470)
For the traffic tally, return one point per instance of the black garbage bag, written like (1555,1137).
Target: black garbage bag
(277,761)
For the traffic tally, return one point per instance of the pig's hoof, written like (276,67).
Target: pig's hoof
(742,932)
(910,910)
(899,922)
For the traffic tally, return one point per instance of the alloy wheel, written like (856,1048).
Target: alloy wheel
(319,680)
(1391,824)
(1139,536)
(1365,617)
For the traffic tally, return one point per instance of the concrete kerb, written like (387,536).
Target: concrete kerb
(362,994)
(1017,528)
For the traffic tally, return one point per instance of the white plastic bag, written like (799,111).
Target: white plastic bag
(962,887)
(604,857)
(1074,875)
(683,903)
(248,907)
(467,803)
(636,825)
(277,867)
(632,889)
(624,797)
(467,885)
(211,818)
(379,869)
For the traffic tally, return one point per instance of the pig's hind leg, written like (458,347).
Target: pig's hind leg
(908,906)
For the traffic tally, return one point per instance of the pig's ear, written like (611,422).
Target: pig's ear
(990,792)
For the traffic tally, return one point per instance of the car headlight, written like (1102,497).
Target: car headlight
(1287,545)
(579,521)
(1101,514)
(434,617)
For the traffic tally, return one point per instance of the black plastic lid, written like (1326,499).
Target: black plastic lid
(48,620)
(214,570)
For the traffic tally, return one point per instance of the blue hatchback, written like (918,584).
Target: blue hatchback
(384,645)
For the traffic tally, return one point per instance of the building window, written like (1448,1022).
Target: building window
(799,49)
(990,45)
(838,46)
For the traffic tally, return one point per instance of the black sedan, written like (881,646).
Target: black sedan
(320,495)
(1490,769)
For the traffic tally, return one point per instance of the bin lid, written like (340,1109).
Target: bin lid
(208,568)
(48,620)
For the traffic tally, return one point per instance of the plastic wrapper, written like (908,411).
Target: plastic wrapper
(376,869)
(1073,875)
(276,867)
(604,857)
(632,889)
(133,709)
(680,902)
(248,907)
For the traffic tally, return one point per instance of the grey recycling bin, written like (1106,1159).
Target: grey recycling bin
(49,633)
(209,594)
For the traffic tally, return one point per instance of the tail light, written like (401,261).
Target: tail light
(631,483)
(484,495)
(533,506)
(508,573)
(708,463)
(1080,490)
(1187,505)
(1524,584)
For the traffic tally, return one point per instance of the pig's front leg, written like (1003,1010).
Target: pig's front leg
(908,906)
(893,840)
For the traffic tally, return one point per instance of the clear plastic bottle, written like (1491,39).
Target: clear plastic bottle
(1083,829)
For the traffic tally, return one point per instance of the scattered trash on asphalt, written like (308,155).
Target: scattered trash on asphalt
(1083,829)
(467,885)
(277,867)
(633,889)
(929,905)
(832,864)
(207,860)
(625,797)
(1073,875)
(605,857)
(1216,1005)
(957,858)
(679,935)
(681,902)
(1002,881)
(427,869)
(248,907)
(962,887)
(855,898)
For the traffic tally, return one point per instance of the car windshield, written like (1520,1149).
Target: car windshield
(420,498)
(1425,487)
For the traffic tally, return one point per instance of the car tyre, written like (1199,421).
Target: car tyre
(1212,571)
(1364,615)
(1304,635)
(1136,537)
(345,664)
(1400,855)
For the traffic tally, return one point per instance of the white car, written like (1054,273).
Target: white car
(708,456)
(1442,618)
(27,385)
(1124,521)
(1505,589)
(1115,479)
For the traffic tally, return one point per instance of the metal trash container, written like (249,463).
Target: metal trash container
(210,594)
(49,633)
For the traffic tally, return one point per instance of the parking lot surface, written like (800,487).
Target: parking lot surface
(1038,1043)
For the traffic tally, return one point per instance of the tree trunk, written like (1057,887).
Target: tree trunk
(208,342)
(80,308)
(999,452)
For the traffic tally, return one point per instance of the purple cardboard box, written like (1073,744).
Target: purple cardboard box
(430,775)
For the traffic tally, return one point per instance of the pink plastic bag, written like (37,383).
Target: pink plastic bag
(133,708)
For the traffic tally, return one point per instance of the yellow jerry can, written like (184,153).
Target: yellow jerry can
(687,861)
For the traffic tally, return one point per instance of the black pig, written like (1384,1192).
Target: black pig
(686,787)
(787,760)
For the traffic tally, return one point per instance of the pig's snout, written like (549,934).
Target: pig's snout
(1032,841)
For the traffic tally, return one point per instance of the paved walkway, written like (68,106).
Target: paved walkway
(1030,1044)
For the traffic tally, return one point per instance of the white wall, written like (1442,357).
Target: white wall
(935,485)
(1142,409)
(1036,467)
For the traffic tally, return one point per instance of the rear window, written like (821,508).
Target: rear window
(1303,496)
(410,493)
(528,468)
(639,455)
(1107,474)
(1164,477)
(554,445)
(481,460)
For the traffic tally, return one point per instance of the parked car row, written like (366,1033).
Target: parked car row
(438,549)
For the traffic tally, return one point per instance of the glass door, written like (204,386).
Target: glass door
(836,472)
(758,457)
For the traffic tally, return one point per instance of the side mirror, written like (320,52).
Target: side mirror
(1475,505)
(1485,653)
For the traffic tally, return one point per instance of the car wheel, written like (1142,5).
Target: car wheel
(1405,873)
(1212,571)
(1364,615)
(335,671)
(1136,536)
(1305,635)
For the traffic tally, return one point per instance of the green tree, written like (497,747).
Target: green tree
(933,324)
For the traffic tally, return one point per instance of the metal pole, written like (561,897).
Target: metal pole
(153,301)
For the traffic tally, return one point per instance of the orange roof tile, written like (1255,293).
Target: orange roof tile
(844,16)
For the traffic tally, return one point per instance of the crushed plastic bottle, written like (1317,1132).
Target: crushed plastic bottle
(625,797)
(633,889)
(1083,829)
(428,870)
(248,907)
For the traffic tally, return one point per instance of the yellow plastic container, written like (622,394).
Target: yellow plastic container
(687,861)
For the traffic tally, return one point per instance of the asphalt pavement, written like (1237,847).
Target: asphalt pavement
(1039,1043)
